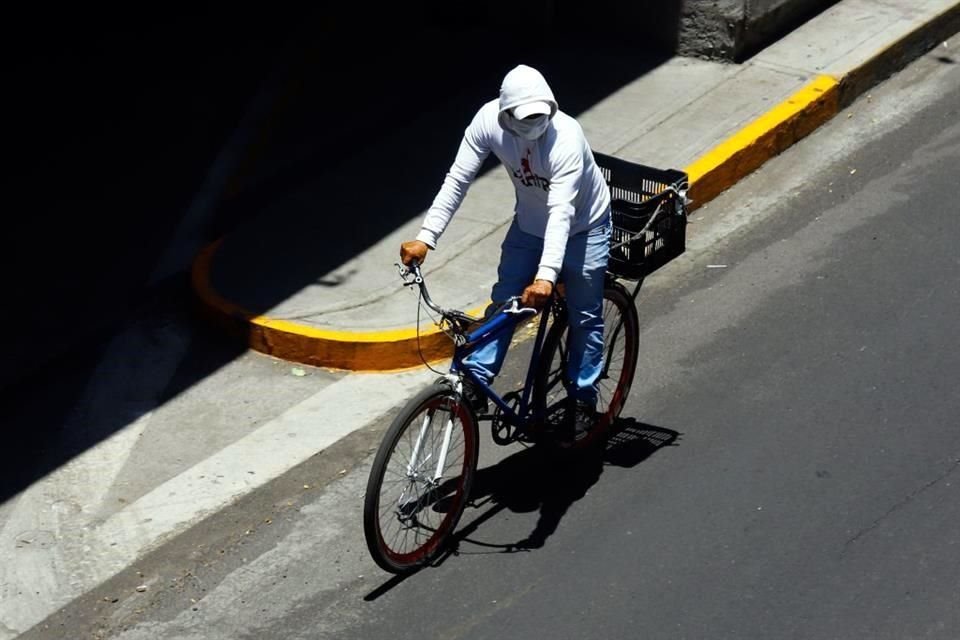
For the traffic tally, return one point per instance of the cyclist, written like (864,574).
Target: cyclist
(560,229)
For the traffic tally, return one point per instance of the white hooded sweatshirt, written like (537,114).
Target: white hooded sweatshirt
(559,188)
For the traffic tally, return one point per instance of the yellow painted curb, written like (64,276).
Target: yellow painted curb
(391,350)
(765,137)
(396,350)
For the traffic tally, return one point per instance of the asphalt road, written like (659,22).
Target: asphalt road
(788,465)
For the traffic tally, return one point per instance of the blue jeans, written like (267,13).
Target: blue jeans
(584,267)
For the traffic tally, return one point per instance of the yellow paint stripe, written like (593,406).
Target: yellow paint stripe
(340,336)
(384,350)
(763,138)
(389,335)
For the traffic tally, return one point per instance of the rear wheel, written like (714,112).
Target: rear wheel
(621,340)
(420,480)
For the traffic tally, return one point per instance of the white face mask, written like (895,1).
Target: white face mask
(531,128)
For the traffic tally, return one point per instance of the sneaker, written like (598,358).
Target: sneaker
(579,418)
(584,417)
(474,396)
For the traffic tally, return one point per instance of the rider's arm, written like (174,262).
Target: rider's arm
(567,167)
(474,149)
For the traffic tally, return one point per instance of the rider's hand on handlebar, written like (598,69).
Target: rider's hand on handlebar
(413,250)
(537,294)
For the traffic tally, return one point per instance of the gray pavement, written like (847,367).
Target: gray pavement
(296,270)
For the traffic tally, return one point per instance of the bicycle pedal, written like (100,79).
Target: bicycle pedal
(503,434)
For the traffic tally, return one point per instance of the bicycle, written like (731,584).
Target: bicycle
(420,481)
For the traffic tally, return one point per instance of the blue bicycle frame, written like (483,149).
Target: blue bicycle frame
(502,321)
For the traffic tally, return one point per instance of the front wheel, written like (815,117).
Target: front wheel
(621,343)
(420,480)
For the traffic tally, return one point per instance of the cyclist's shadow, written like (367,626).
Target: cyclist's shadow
(537,478)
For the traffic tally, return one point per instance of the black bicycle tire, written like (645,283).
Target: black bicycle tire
(371,507)
(615,292)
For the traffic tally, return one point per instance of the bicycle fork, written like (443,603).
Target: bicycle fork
(409,505)
(413,466)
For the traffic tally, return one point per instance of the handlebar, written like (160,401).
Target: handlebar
(414,271)
(459,320)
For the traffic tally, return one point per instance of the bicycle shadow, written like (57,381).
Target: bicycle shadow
(539,478)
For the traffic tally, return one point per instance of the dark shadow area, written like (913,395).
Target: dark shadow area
(45,421)
(117,118)
(113,121)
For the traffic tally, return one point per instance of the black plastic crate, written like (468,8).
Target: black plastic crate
(637,192)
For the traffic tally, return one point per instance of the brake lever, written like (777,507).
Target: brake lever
(406,274)
(515,307)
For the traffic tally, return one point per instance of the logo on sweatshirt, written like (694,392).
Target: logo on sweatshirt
(527,177)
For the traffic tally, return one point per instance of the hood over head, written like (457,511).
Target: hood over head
(526,90)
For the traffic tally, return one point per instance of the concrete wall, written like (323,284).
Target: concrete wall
(736,29)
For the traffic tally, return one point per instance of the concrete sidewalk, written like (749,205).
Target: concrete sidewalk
(272,283)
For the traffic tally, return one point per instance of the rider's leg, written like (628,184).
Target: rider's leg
(519,256)
(584,269)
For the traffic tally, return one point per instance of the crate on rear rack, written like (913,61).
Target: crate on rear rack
(637,193)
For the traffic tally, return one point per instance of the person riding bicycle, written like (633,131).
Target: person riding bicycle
(560,229)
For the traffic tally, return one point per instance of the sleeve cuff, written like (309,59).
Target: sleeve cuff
(428,237)
(547,273)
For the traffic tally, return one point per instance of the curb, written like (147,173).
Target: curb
(716,171)
(375,351)
(899,54)
(770,134)
(808,109)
